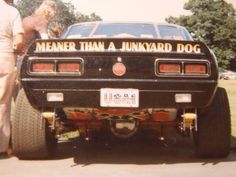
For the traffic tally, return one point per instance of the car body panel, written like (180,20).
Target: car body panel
(141,71)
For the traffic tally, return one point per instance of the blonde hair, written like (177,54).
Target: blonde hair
(47,9)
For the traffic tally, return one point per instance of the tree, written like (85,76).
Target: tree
(88,18)
(66,15)
(214,23)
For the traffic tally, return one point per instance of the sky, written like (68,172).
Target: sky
(131,10)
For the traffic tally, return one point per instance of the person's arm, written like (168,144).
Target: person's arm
(17,34)
(42,28)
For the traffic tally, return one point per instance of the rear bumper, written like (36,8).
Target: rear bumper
(86,92)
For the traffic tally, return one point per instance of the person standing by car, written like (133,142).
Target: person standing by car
(36,25)
(11,38)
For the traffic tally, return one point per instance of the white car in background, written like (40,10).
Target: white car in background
(228,75)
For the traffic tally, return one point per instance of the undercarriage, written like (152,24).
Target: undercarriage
(121,123)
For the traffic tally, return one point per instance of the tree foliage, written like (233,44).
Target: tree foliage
(88,18)
(66,13)
(213,22)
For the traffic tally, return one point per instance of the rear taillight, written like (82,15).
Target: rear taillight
(43,67)
(195,68)
(169,68)
(68,67)
(56,66)
(182,67)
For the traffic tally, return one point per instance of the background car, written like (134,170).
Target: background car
(227,75)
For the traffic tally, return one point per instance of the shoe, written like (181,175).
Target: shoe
(4,155)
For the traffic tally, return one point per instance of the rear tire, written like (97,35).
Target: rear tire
(214,130)
(31,137)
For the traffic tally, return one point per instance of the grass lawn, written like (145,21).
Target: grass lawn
(230,86)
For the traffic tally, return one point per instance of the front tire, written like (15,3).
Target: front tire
(214,129)
(31,137)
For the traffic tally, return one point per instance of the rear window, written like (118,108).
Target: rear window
(173,32)
(126,30)
(78,31)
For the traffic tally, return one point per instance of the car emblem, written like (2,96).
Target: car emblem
(119,69)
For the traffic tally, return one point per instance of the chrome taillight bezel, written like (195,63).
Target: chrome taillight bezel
(56,61)
(182,63)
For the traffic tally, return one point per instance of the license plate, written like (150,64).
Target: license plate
(110,97)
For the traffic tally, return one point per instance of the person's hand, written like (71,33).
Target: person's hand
(18,49)
(18,44)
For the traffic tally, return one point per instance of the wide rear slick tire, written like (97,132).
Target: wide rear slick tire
(214,128)
(31,137)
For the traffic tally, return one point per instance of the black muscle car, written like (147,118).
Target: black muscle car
(122,78)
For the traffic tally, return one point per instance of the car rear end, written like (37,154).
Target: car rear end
(121,78)
(162,73)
